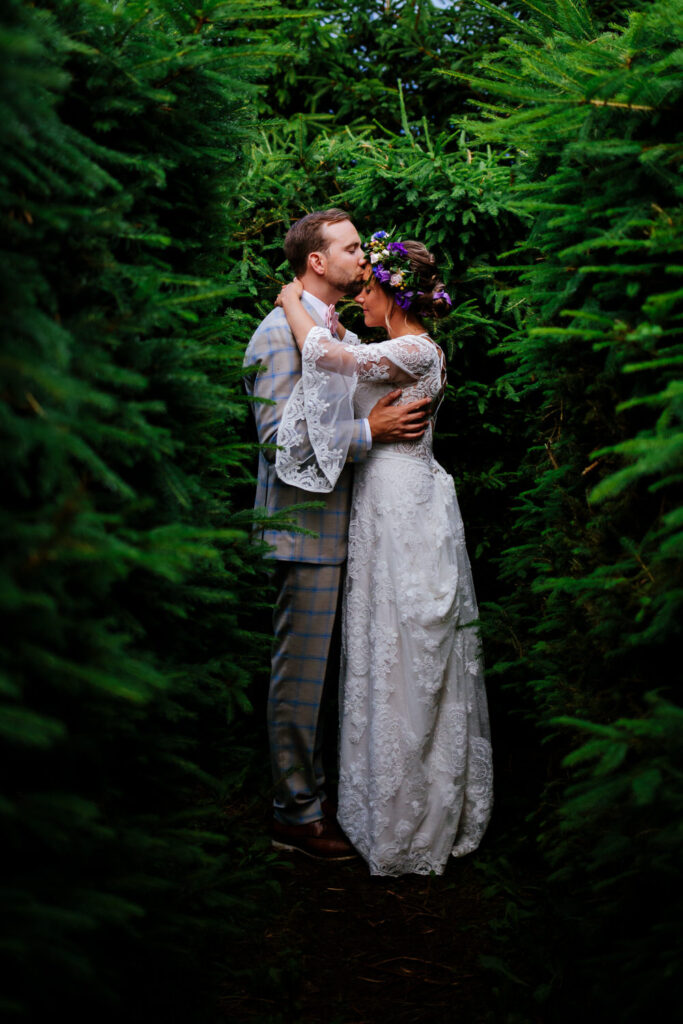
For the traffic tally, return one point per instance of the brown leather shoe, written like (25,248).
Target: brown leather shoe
(322,840)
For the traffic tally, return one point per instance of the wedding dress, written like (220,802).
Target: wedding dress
(415,776)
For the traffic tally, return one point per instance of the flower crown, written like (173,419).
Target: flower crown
(390,264)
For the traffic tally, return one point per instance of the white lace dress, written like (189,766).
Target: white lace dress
(415,777)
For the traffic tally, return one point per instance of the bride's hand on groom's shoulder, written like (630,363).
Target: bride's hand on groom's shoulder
(291,292)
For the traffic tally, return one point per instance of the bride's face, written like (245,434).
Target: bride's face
(375,303)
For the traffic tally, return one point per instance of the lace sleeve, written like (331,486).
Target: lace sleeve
(317,427)
(399,360)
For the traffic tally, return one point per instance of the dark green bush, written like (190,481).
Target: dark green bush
(127,576)
(590,117)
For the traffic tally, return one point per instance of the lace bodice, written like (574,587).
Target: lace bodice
(342,380)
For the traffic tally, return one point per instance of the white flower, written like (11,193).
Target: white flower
(395,280)
(374,257)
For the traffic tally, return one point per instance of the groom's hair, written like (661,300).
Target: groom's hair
(308,235)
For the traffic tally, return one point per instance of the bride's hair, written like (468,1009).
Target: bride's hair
(430,298)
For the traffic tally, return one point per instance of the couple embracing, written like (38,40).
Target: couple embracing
(353,425)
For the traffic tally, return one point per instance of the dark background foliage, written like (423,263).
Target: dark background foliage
(153,157)
(125,563)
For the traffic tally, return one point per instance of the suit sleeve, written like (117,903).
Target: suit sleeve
(272,350)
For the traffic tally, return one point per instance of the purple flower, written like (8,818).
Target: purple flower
(443,295)
(403,299)
(381,274)
(398,247)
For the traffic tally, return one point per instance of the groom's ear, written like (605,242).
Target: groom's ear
(317,263)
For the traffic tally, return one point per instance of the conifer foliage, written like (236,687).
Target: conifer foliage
(348,58)
(123,566)
(591,116)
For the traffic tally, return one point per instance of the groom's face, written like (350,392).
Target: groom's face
(344,258)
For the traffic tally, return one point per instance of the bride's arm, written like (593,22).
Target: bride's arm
(371,362)
(298,318)
(387,422)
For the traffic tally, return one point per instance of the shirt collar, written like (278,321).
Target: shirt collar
(319,306)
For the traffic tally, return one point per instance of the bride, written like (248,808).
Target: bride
(415,776)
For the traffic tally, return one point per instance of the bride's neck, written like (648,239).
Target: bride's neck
(401,323)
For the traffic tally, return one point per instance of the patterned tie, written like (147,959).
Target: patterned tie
(332,319)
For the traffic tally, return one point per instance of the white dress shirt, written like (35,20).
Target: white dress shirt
(318,305)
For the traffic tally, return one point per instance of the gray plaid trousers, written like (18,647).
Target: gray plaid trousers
(303,623)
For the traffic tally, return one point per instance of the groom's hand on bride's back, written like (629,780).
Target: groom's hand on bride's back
(389,422)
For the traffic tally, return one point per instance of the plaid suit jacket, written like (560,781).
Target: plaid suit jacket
(274,348)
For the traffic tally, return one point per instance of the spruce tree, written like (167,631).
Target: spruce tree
(348,59)
(127,567)
(589,117)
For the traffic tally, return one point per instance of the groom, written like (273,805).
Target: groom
(324,251)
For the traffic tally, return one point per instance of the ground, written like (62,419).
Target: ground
(343,948)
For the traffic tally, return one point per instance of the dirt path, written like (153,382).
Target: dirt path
(344,948)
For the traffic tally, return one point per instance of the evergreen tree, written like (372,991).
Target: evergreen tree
(589,118)
(349,57)
(144,220)
(127,568)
